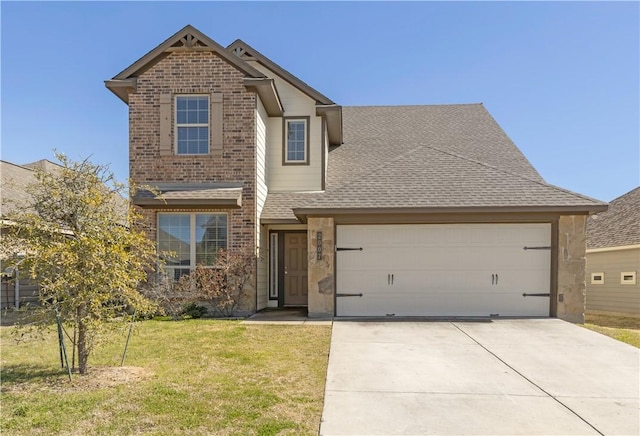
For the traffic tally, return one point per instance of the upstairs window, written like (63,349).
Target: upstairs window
(192,124)
(296,141)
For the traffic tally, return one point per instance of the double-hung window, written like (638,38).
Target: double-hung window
(296,141)
(192,124)
(193,238)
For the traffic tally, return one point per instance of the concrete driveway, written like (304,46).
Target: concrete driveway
(505,377)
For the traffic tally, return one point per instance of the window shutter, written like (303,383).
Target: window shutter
(165,124)
(216,121)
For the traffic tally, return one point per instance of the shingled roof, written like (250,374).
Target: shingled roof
(429,159)
(618,226)
(15,179)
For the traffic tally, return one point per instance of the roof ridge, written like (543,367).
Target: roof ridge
(379,167)
(625,194)
(17,165)
(448,153)
(543,183)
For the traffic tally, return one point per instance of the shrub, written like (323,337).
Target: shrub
(194,310)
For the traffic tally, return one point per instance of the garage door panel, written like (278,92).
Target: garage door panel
(444,270)
(444,303)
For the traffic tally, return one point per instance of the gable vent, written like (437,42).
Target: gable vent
(188,42)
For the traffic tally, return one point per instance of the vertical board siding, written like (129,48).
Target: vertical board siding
(612,296)
(262,234)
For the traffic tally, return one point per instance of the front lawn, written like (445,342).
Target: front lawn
(180,377)
(625,329)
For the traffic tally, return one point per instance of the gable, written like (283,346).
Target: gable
(324,106)
(619,226)
(244,51)
(187,39)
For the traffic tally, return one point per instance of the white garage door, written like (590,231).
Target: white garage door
(443,270)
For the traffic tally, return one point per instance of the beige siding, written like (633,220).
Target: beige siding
(261,196)
(261,149)
(28,293)
(612,296)
(292,177)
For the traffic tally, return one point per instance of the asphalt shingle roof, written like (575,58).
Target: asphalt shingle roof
(15,179)
(190,194)
(619,225)
(443,156)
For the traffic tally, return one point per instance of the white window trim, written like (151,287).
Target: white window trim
(304,161)
(176,124)
(631,281)
(594,278)
(192,235)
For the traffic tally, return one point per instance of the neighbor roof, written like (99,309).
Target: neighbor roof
(15,179)
(427,159)
(618,226)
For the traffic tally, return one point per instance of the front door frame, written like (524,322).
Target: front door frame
(281,261)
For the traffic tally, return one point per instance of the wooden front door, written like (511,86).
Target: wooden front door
(295,269)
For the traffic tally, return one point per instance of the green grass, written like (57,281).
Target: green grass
(184,377)
(624,329)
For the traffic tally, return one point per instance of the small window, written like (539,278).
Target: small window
(192,124)
(597,278)
(628,278)
(194,238)
(296,141)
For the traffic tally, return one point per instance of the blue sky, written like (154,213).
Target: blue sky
(562,79)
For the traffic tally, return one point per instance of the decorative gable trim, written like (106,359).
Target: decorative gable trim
(330,111)
(244,51)
(187,39)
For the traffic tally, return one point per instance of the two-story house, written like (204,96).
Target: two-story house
(352,211)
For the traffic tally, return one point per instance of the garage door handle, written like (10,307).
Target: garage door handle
(348,295)
(536,295)
(493,279)
(496,279)
(392,279)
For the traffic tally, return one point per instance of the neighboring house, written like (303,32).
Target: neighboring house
(353,211)
(13,193)
(613,258)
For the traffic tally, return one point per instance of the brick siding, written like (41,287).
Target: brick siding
(197,72)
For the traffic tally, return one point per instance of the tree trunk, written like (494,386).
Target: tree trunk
(83,347)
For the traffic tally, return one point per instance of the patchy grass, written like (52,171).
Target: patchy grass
(184,377)
(624,329)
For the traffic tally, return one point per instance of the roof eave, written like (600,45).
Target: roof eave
(159,203)
(266,89)
(303,213)
(122,87)
(333,115)
(279,221)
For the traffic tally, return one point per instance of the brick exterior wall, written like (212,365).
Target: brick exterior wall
(197,72)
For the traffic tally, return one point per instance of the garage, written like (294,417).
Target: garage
(443,270)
